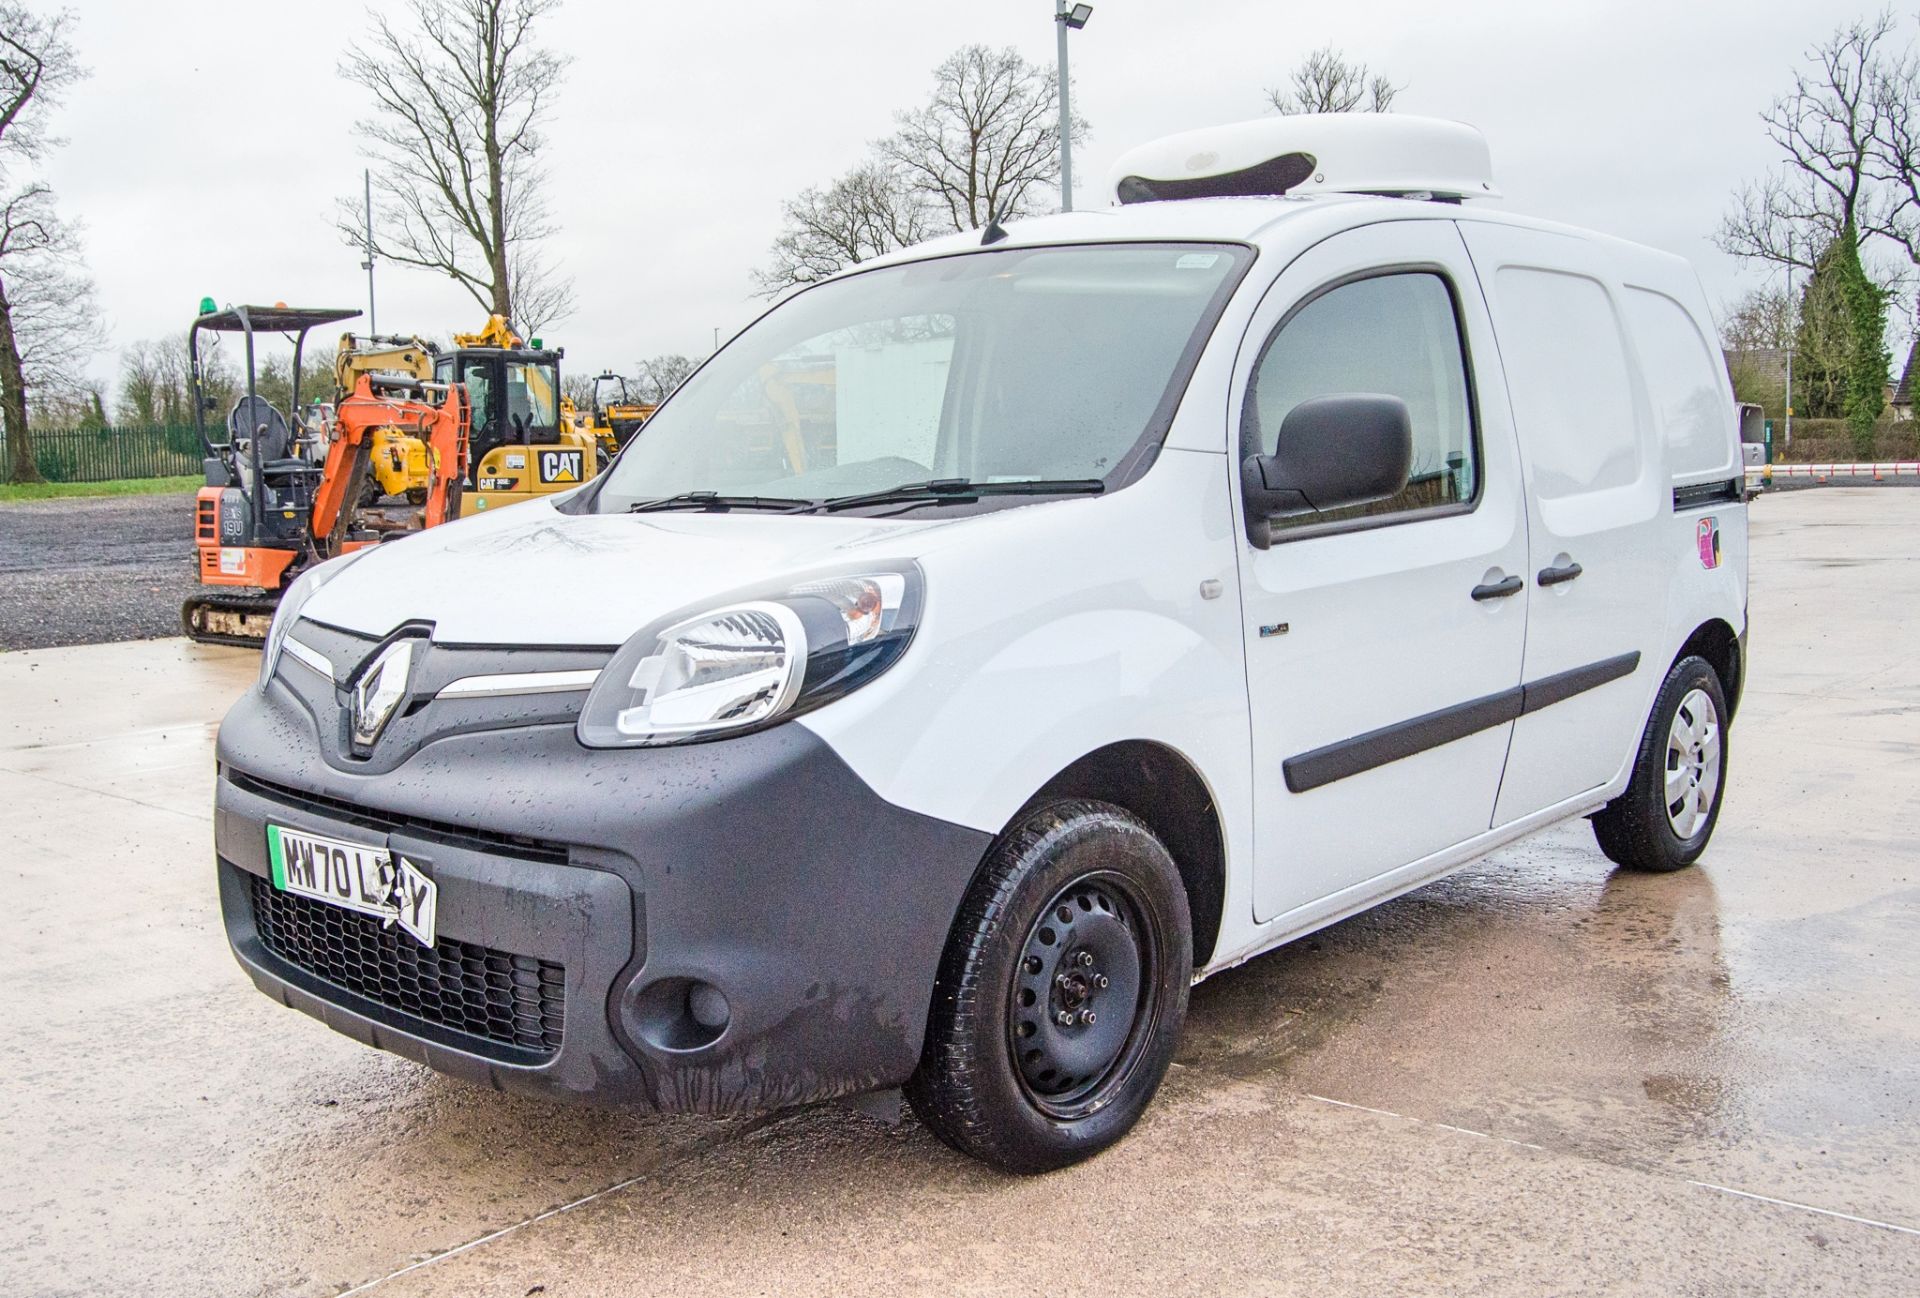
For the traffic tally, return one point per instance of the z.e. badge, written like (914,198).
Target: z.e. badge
(357,877)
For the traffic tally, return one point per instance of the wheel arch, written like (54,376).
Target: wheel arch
(1160,786)
(1718,643)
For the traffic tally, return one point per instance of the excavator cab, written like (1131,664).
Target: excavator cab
(522,445)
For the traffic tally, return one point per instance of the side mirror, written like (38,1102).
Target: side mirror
(1349,449)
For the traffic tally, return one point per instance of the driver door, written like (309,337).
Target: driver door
(1383,642)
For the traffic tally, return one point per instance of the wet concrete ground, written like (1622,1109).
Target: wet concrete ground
(1535,1077)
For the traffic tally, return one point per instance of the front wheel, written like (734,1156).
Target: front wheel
(1672,802)
(1061,993)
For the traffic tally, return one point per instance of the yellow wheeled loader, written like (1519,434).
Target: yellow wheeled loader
(612,421)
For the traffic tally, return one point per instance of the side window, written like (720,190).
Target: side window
(1696,419)
(1395,334)
(1567,372)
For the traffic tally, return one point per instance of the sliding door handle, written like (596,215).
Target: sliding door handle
(1498,589)
(1554,576)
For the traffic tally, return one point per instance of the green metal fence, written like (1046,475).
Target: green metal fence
(100,454)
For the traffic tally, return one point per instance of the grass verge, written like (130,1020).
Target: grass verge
(116,487)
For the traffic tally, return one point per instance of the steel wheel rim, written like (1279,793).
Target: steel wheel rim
(1070,1070)
(1693,763)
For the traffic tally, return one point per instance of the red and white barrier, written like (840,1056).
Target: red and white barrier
(1765,473)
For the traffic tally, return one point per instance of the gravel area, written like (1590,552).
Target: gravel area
(89,571)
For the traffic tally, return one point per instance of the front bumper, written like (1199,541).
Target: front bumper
(761,866)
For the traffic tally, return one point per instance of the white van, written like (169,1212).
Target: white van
(996,639)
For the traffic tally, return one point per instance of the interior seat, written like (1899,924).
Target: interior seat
(254,417)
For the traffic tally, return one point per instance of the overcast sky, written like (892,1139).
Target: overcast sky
(207,149)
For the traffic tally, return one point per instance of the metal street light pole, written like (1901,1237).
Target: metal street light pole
(373,321)
(1064,18)
(1793,339)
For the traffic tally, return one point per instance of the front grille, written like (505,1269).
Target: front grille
(474,840)
(495,996)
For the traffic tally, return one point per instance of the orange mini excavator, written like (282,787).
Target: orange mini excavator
(284,488)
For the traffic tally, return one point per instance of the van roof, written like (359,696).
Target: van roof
(1278,224)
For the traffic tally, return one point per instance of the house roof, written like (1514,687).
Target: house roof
(1903,390)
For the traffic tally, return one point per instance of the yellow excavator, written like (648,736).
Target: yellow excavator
(397,460)
(522,444)
(526,440)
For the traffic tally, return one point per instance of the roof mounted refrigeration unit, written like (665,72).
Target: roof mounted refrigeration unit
(1312,153)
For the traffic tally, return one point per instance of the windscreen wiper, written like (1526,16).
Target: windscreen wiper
(714,500)
(956,490)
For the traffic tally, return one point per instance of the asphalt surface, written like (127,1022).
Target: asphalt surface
(89,571)
(1536,1077)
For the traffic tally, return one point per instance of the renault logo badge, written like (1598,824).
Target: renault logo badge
(379,691)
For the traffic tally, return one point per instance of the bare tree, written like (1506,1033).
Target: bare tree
(46,299)
(659,375)
(48,324)
(1762,318)
(541,294)
(156,391)
(81,406)
(153,385)
(1826,129)
(1326,82)
(1895,164)
(871,210)
(986,143)
(461,90)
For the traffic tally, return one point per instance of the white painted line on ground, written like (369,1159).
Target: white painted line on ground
(1702,1185)
(1363,1108)
(746,1129)
(1806,1207)
(1444,1126)
(504,1231)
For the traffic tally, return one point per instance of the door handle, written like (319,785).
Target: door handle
(1554,576)
(1498,589)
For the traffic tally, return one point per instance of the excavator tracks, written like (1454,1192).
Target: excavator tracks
(229,619)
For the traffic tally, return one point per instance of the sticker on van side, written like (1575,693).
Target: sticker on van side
(1706,534)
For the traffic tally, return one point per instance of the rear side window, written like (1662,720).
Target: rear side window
(1394,334)
(1568,376)
(1693,413)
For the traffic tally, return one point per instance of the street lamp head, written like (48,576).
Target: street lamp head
(1077,16)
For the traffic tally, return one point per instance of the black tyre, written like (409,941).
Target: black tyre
(1061,993)
(1667,814)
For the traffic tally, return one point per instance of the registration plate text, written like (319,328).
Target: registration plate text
(356,876)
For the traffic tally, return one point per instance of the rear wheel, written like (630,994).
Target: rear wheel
(1672,802)
(1061,993)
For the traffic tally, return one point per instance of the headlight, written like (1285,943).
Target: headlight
(754,661)
(289,611)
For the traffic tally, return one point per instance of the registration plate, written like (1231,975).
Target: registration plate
(356,876)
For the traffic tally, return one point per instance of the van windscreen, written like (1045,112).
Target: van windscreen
(1024,364)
